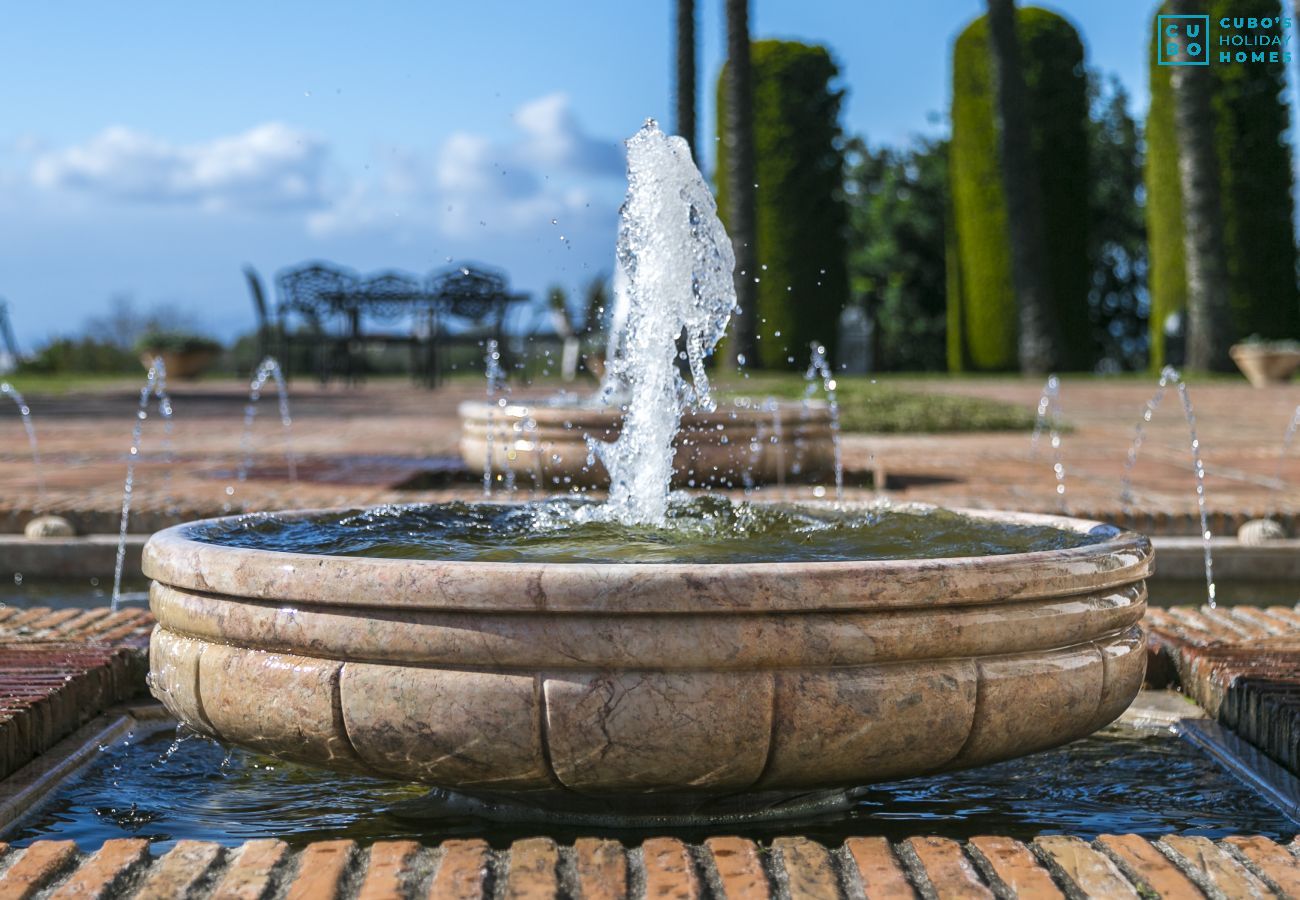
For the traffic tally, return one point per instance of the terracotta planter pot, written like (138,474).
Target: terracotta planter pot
(547,443)
(1263,365)
(182,365)
(651,688)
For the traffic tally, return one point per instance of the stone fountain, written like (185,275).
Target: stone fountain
(521,685)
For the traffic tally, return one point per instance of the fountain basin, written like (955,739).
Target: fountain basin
(648,687)
(739,442)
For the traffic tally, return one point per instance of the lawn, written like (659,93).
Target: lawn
(874,408)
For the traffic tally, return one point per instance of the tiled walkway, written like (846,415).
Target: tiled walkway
(538,868)
(356,444)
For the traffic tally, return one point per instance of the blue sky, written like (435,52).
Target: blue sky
(152,148)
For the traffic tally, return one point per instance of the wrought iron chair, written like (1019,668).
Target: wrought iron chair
(469,303)
(387,297)
(316,294)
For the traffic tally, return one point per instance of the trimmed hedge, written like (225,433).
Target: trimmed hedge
(983,333)
(801,216)
(1255,159)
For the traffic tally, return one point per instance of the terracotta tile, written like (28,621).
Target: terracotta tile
(600,869)
(1146,865)
(739,868)
(462,871)
(390,870)
(881,874)
(251,869)
(102,872)
(40,864)
(1093,873)
(533,874)
(1278,867)
(1018,871)
(321,868)
(179,870)
(808,868)
(669,870)
(1216,867)
(947,870)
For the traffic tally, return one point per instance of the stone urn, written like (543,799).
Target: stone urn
(739,444)
(184,365)
(1266,363)
(626,690)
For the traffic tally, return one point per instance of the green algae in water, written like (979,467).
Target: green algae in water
(703,530)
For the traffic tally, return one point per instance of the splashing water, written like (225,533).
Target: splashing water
(1169,375)
(269,369)
(25,412)
(496,381)
(1049,419)
(819,368)
(155,386)
(678,263)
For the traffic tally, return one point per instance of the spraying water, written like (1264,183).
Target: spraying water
(269,369)
(678,263)
(1169,375)
(155,386)
(819,369)
(1049,419)
(26,413)
(496,379)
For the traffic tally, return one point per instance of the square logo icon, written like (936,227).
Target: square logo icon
(1183,40)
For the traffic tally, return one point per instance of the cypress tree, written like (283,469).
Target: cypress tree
(802,272)
(1256,180)
(1051,57)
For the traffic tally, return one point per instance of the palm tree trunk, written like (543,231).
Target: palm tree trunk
(738,144)
(1039,330)
(1209,327)
(684,88)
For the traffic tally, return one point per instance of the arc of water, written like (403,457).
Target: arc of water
(155,386)
(1287,439)
(1170,375)
(268,369)
(1049,419)
(495,378)
(819,368)
(25,412)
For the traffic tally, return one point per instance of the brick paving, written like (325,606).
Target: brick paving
(358,444)
(1055,866)
(61,668)
(1240,664)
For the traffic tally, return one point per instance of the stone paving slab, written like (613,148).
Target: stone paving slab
(798,868)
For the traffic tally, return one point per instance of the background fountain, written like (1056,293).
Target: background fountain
(709,444)
(649,658)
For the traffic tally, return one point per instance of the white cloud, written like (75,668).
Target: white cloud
(548,168)
(552,169)
(269,167)
(554,138)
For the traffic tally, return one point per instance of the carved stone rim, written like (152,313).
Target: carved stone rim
(175,558)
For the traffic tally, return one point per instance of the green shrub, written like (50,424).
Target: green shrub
(80,356)
(1255,161)
(801,219)
(1057,95)
(175,342)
